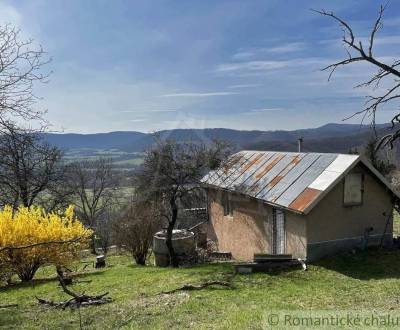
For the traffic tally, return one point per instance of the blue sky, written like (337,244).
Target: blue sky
(150,65)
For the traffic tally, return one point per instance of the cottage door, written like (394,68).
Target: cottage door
(278,232)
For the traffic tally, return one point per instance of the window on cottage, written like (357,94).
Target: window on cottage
(228,209)
(353,189)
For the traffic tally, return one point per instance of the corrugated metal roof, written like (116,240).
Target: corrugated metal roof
(296,181)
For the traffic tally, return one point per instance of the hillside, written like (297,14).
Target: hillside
(113,140)
(327,138)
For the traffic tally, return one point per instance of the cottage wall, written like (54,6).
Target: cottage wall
(249,229)
(332,227)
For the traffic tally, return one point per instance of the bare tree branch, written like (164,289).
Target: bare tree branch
(28,246)
(30,170)
(356,53)
(95,184)
(21,67)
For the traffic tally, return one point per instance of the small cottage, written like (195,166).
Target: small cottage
(308,205)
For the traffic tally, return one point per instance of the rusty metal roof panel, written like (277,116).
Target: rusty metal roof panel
(269,176)
(252,183)
(268,157)
(250,177)
(225,172)
(268,173)
(212,176)
(307,177)
(291,180)
(245,167)
(247,170)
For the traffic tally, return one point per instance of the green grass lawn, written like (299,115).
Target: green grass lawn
(364,282)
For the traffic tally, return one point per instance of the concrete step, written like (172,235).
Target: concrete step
(262,257)
(264,267)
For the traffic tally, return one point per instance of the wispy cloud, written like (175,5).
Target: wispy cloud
(9,14)
(286,48)
(251,68)
(387,40)
(392,21)
(263,110)
(379,40)
(244,86)
(149,110)
(277,49)
(243,55)
(196,94)
(136,120)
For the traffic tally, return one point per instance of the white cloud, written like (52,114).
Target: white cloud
(260,111)
(379,40)
(286,48)
(260,51)
(8,14)
(136,120)
(267,109)
(244,86)
(243,55)
(149,110)
(252,66)
(195,94)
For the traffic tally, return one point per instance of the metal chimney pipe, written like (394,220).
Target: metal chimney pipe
(300,144)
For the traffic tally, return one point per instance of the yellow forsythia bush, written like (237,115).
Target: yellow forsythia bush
(63,237)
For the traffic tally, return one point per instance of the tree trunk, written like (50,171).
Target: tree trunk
(93,244)
(171,224)
(27,274)
(140,260)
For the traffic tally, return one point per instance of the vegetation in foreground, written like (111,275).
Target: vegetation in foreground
(31,238)
(366,281)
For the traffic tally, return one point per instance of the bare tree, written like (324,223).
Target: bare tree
(170,175)
(135,229)
(95,184)
(30,169)
(357,51)
(21,66)
(377,158)
(104,227)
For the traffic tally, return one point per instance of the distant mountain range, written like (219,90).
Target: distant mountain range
(327,138)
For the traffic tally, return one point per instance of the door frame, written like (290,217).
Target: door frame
(278,231)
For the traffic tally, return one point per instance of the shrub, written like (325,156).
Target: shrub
(135,229)
(31,238)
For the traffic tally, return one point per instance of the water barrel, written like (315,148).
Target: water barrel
(183,242)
